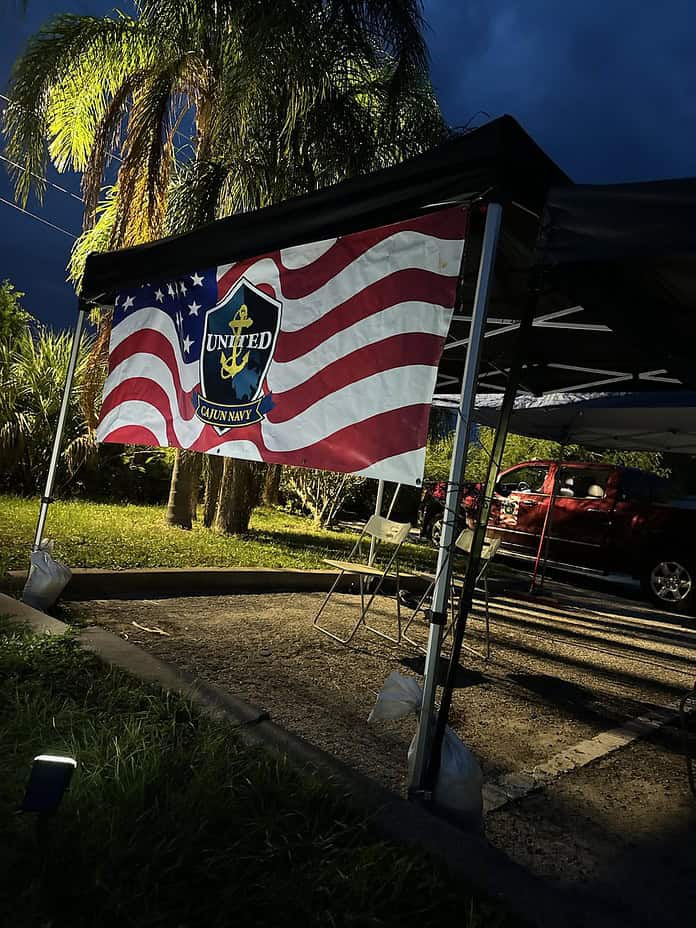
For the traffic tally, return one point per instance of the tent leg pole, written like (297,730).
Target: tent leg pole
(47,498)
(543,547)
(378,512)
(467,592)
(545,529)
(393,501)
(438,609)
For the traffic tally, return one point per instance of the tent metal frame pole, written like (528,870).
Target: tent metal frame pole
(393,500)
(47,497)
(467,591)
(545,539)
(378,512)
(438,609)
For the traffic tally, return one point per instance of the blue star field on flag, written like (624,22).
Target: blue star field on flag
(185,300)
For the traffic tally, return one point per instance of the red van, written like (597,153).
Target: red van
(604,517)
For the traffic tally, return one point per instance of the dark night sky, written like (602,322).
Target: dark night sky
(607,87)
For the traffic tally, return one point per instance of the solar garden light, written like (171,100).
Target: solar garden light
(49,778)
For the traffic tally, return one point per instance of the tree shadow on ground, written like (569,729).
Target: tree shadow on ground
(553,688)
(464,677)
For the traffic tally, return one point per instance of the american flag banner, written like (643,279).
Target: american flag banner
(320,355)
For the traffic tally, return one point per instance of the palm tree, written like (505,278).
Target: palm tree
(217,107)
(32,370)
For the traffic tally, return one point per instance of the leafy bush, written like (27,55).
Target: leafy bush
(33,368)
(519,448)
(125,474)
(14,319)
(438,455)
(322,494)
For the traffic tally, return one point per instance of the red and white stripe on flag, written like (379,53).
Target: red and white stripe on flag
(321,355)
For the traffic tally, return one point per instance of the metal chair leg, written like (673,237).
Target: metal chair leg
(414,615)
(419,608)
(398,605)
(372,586)
(482,578)
(365,608)
(325,630)
(371,628)
(488,617)
(327,598)
(484,655)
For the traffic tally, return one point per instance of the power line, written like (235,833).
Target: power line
(38,218)
(44,180)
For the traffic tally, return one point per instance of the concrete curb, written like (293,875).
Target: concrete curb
(217,702)
(21,614)
(94,583)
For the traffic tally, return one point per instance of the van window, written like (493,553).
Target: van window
(528,479)
(583,482)
(635,485)
(642,487)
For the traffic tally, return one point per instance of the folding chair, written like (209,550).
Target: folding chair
(488,552)
(381,530)
(463,545)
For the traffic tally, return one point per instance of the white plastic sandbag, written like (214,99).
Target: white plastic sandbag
(460,779)
(47,578)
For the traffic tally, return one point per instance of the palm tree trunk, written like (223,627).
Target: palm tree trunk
(213,477)
(239,493)
(196,470)
(271,487)
(180,490)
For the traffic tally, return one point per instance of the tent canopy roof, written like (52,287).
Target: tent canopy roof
(618,222)
(498,159)
(620,260)
(625,421)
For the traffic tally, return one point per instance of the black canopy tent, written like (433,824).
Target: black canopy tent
(662,421)
(619,264)
(531,308)
(611,268)
(619,267)
(498,161)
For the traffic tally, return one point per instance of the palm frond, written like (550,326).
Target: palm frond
(144,176)
(98,237)
(104,138)
(32,375)
(194,196)
(58,88)
(78,451)
(93,373)
(78,104)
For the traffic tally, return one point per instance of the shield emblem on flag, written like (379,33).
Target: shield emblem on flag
(239,337)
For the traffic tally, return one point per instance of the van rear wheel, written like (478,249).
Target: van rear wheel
(670,582)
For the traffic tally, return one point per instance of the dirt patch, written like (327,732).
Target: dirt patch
(264,649)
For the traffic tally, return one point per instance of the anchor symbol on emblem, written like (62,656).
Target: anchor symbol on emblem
(231,366)
(239,338)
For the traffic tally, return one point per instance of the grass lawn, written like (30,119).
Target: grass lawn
(171,822)
(108,535)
